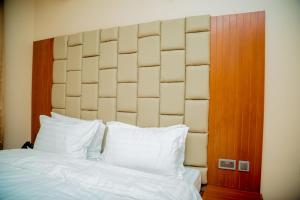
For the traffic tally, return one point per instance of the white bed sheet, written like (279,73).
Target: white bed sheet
(192,176)
(31,174)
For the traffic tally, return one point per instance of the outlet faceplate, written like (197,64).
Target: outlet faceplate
(227,164)
(244,166)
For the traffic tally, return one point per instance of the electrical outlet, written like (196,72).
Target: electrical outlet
(227,164)
(244,166)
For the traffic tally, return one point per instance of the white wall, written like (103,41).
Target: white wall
(18,37)
(281,160)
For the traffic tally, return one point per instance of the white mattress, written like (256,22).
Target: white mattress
(192,176)
(35,175)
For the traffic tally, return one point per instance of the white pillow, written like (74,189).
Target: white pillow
(70,139)
(93,151)
(154,150)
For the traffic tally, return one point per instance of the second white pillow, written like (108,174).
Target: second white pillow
(154,150)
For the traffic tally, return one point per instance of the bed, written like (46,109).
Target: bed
(154,74)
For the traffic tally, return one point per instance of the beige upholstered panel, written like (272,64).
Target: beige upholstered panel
(148,112)
(58,95)
(75,39)
(197,48)
(60,47)
(173,34)
(149,29)
(196,115)
(74,58)
(172,98)
(90,43)
(126,117)
(108,55)
(149,51)
(73,83)
(196,143)
(90,70)
(198,23)
(172,66)
(89,98)
(128,39)
(59,111)
(107,108)
(169,120)
(127,97)
(154,74)
(59,71)
(148,82)
(197,82)
(127,68)
(109,34)
(73,106)
(88,115)
(108,83)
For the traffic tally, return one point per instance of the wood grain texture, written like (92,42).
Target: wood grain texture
(236,98)
(221,193)
(41,82)
(1,74)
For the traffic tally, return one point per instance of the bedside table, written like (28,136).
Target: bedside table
(221,193)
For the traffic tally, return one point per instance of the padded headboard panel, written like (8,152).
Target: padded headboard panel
(152,75)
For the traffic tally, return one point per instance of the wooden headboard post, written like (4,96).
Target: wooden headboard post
(41,82)
(236,98)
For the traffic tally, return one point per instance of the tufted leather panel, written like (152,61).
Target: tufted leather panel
(109,34)
(150,28)
(89,97)
(154,74)
(59,71)
(90,43)
(170,120)
(197,48)
(127,68)
(148,112)
(197,23)
(60,47)
(75,39)
(73,83)
(149,51)
(173,66)
(126,117)
(172,98)
(173,34)
(73,106)
(128,39)
(74,58)
(89,72)
(148,85)
(127,97)
(108,55)
(107,108)
(108,83)
(88,115)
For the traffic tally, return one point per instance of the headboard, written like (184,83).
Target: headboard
(151,75)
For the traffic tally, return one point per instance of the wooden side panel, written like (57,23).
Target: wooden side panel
(41,82)
(221,193)
(236,98)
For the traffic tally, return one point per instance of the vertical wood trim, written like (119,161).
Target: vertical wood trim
(1,74)
(41,82)
(236,98)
